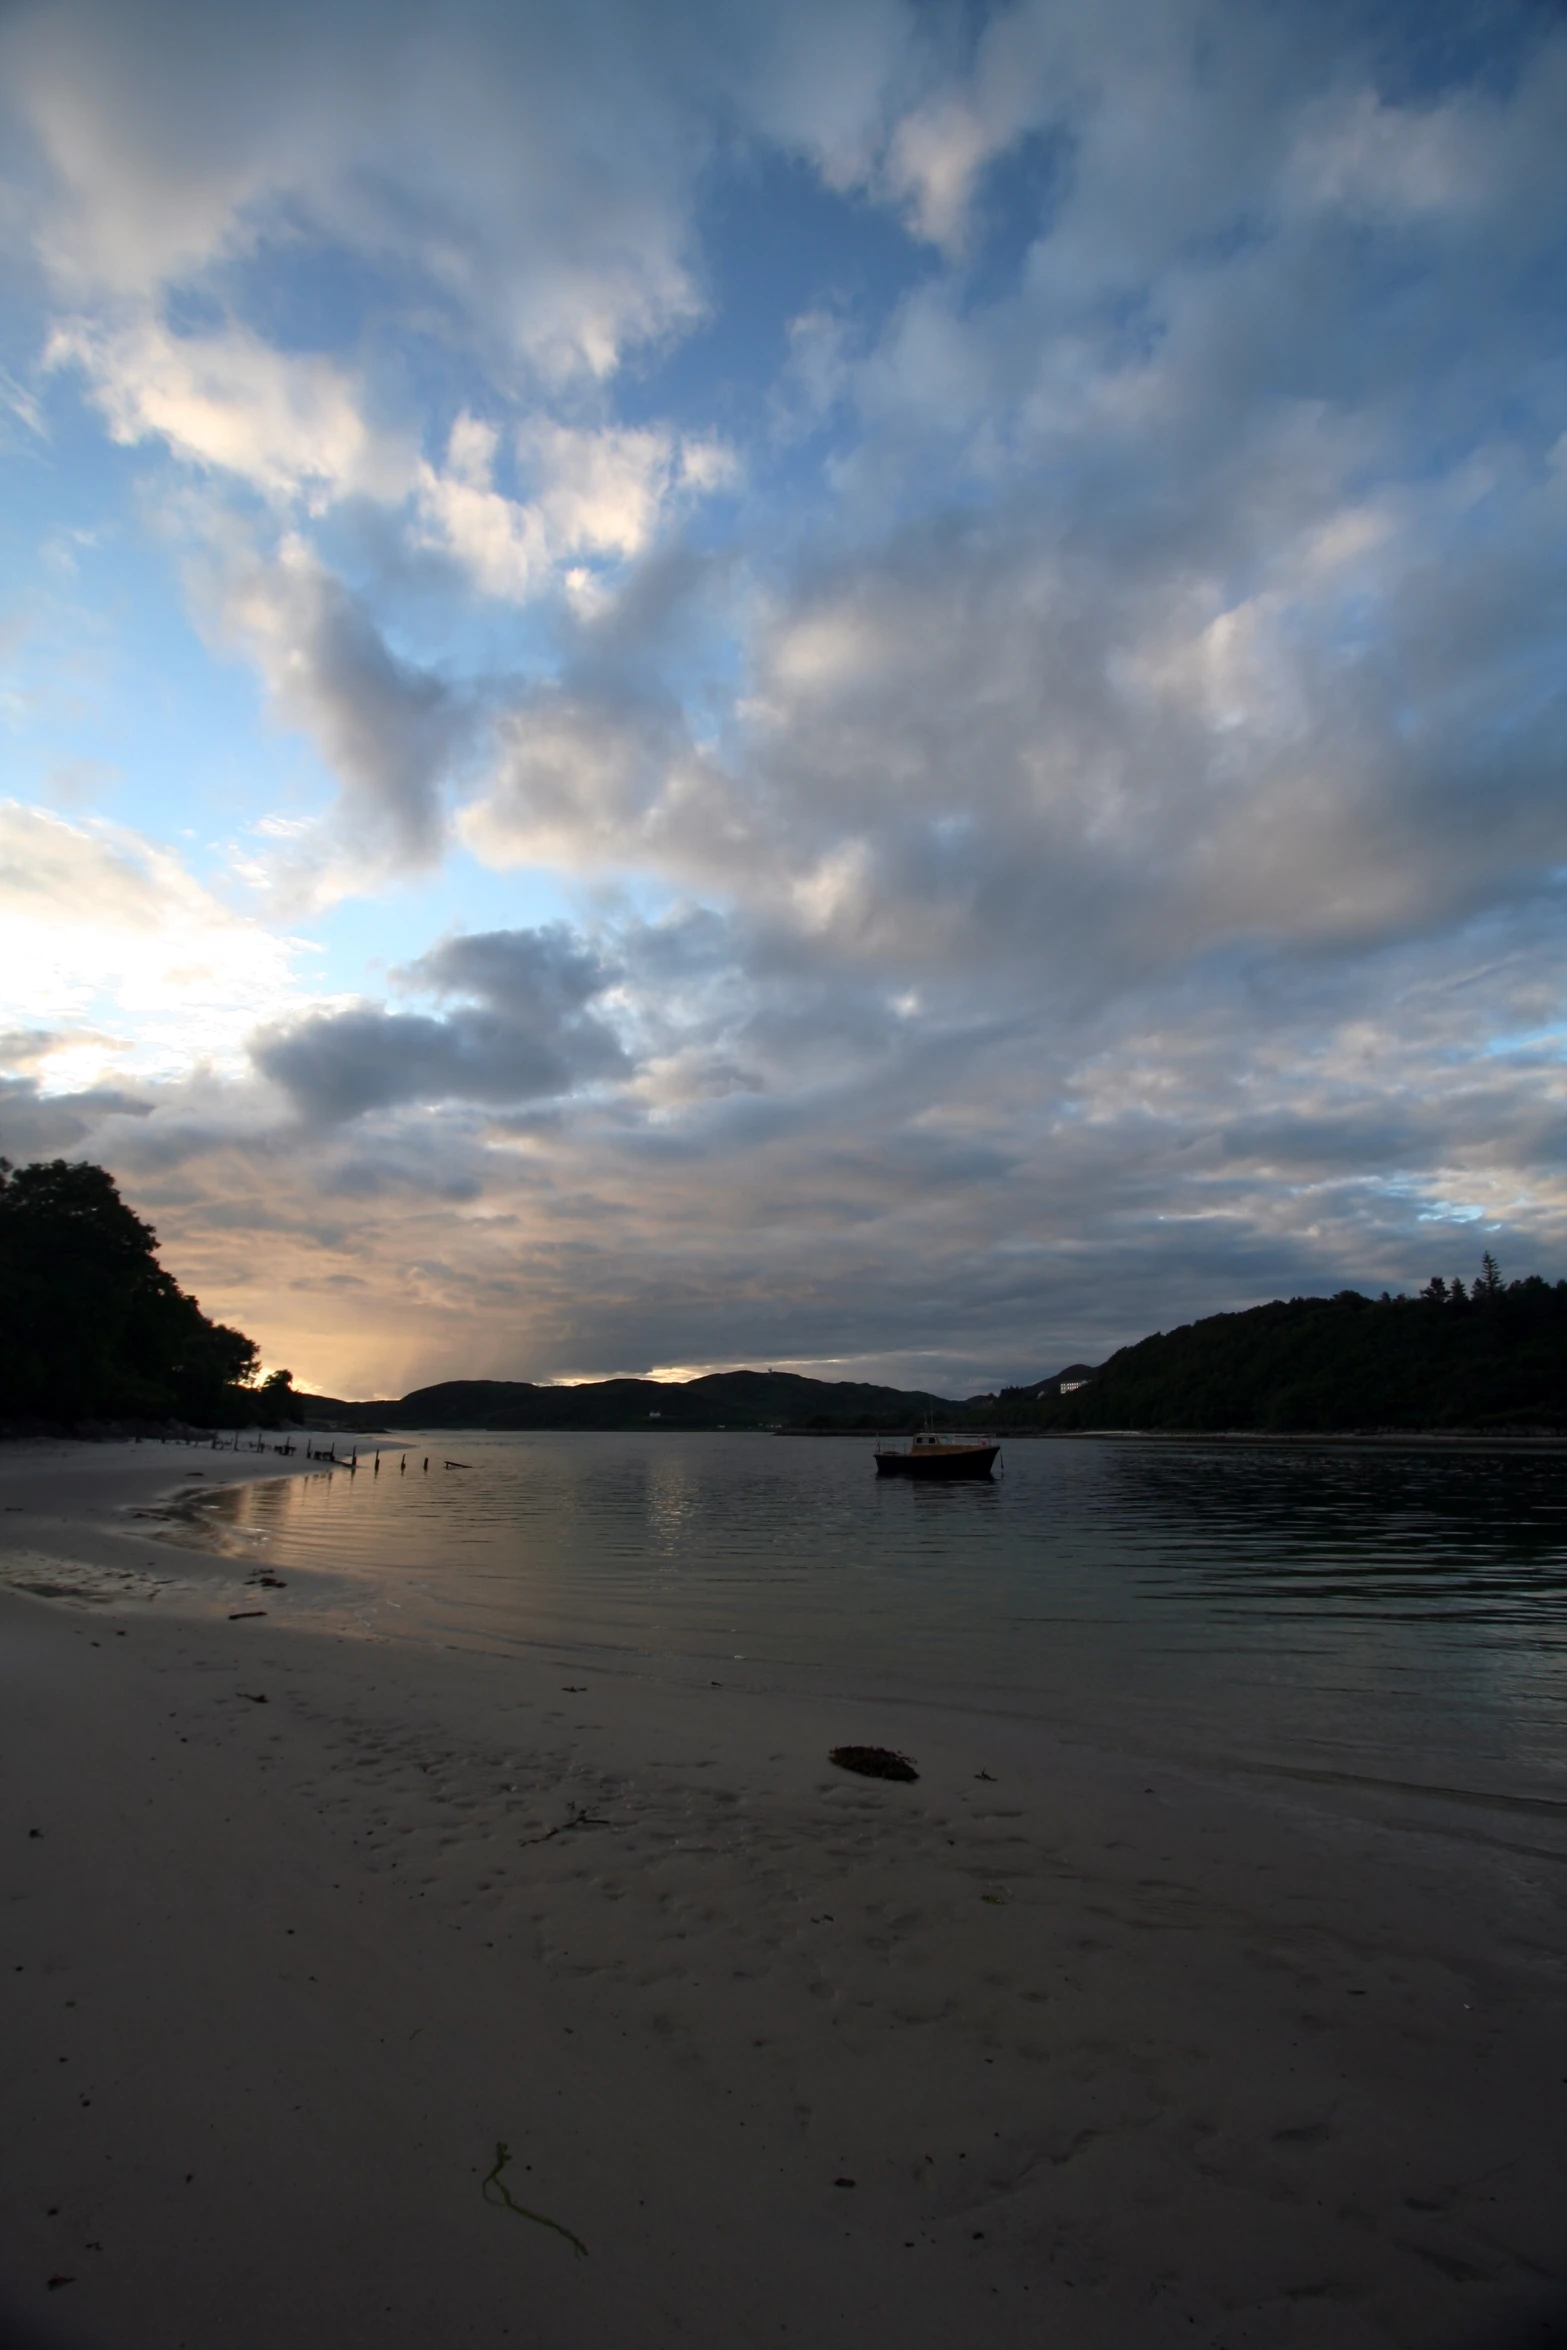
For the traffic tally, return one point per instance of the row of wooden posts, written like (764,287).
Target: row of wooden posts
(326,1453)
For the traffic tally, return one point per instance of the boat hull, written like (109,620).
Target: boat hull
(940,1467)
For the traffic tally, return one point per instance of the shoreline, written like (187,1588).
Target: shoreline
(1379,1439)
(1353,1439)
(1114,2051)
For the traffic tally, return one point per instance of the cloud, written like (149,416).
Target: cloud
(24,1048)
(597,495)
(493,161)
(35,1125)
(574,780)
(525,1035)
(290,423)
(981,749)
(388,730)
(101,927)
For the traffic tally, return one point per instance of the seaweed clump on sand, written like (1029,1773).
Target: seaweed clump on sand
(873,1762)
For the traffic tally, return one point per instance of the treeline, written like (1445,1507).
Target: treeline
(720,1399)
(1491,1357)
(91,1326)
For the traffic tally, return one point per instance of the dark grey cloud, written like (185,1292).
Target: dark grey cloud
(527,1034)
(21,1048)
(36,1125)
(544,975)
(387,728)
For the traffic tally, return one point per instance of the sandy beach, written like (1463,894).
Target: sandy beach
(1053,2047)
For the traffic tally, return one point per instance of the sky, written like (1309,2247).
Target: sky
(875,687)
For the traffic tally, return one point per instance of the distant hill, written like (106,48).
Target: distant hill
(722,1399)
(1493,1358)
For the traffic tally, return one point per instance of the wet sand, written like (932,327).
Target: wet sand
(1052,2047)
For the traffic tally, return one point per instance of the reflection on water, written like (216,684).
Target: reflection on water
(1328,1604)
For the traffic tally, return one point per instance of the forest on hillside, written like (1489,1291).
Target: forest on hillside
(1493,1356)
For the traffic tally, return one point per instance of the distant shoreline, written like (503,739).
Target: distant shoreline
(399,1439)
(1544,1439)
(1352,1439)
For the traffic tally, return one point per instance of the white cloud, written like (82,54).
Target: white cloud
(1394,163)
(595,495)
(936,154)
(104,929)
(826,80)
(290,424)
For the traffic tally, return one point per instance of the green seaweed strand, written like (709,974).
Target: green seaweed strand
(502,2200)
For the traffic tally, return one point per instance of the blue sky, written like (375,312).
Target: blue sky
(878,687)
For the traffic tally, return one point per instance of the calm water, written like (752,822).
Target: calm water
(1403,1612)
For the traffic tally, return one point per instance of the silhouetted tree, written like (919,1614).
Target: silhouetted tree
(91,1326)
(278,1398)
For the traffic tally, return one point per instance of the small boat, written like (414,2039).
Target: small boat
(939,1456)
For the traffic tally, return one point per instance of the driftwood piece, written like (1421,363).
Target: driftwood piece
(578,1819)
(495,2191)
(873,1762)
